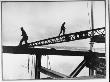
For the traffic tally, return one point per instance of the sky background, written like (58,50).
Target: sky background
(43,20)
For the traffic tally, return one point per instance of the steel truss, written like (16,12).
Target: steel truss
(98,33)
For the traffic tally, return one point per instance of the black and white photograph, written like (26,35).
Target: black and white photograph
(54,40)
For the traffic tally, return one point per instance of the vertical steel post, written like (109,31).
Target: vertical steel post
(37,67)
(91,72)
(105,13)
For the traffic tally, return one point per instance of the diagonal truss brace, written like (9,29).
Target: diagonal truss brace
(52,73)
(78,69)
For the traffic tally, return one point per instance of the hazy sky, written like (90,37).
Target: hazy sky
(43,20)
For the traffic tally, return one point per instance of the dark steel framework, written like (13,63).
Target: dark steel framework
(28,49)
(99,35)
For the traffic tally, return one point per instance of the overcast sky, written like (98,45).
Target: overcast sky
(42,20)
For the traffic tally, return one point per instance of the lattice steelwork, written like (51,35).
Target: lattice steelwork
(69,37)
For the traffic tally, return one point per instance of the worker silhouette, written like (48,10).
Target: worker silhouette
(24,37)
(62,29)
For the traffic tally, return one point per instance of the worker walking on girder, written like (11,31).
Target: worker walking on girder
(62,29)
(24,38)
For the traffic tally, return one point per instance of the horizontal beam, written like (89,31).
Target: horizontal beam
(54,1)
(52,73)
(81,78)
(98,39)
(44,51)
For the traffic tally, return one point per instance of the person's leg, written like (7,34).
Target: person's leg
(26,38)
(25,41)
(60,32)
(63,31)
(21,42)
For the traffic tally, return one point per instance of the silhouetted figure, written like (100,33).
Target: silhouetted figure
(24,38)
(62,29)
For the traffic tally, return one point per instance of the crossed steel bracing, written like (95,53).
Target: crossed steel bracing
(98,36)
